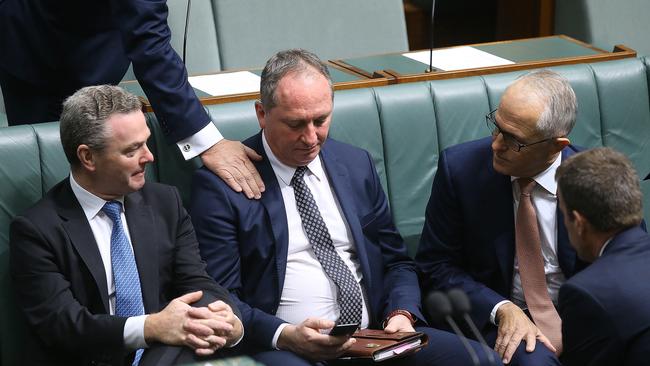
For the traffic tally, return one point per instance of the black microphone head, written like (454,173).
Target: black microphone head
(438,306)
(459,301)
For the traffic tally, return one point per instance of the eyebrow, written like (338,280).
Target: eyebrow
(518,138)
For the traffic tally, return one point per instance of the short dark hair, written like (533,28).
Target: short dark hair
(84,115)
(602,185)
(283,63)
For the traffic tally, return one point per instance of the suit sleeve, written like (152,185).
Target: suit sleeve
(159,69)
(400,286)
(190,269)
(47,300)
(589,336)
(440,256)
(217,223)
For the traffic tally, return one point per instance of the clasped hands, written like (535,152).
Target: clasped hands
(204,329)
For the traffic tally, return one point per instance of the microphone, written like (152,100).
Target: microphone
(462,307)
(439,309)
(433,11)
(187,23)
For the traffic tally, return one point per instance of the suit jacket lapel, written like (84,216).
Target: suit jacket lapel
(82,238)
(502,209)
(142,230)
(274,205)
(338,174)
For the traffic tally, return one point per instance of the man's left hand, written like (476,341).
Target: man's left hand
(399,323)
(231,161)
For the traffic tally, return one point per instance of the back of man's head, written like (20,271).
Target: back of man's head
(286,62)
(555,92)
(602,185)
(85,113)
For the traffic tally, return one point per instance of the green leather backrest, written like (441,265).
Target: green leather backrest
(408,125)
(251,31)
(20,187)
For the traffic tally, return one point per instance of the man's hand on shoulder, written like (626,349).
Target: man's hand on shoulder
(305,339)
(231,161)
(515,326)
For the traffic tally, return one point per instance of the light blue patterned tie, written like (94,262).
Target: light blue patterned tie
(128,295)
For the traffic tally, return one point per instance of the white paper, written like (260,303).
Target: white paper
(458,58)
(227,83)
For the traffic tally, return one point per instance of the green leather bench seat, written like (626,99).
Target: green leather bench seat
(403,126)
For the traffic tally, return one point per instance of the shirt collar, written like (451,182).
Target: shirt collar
(546,179)
(285,172)
(90,203)
(602,249)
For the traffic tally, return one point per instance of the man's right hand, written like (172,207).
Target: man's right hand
(305,339)
(515,326)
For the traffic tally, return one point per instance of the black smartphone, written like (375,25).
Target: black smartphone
(344,329)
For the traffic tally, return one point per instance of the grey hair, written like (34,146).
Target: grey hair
(84,115)
(554,90)
(283,63)
(602,185)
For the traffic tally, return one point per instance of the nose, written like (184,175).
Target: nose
(147,157)
(498,144)
(309,136)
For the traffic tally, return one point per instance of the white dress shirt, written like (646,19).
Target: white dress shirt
(102,226)
(308,291)
(545,203)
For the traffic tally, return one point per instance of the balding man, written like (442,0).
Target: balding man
(492,225)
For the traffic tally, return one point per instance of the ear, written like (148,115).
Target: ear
(560,143)
(580,222)
(261,114)
(86,157)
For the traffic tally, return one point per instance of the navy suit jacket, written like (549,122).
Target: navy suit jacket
(245,242)
(60,280)
(468,240)
(605,308)
(68,44)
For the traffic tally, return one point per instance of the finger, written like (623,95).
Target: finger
(545,341)
(252,154)
(530,342)
(204,351)
(241,180)
(502,339)
(196,342)
(256,175)
(216,341)
(318,323)
(218,306)
(200,313)
(511,347)
(191,297)
(217,326)
(197,328)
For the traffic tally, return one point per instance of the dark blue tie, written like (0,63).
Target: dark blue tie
(350,303)
(128,295)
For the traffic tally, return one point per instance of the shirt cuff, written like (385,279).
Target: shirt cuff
(134,332)
(242,334)
(196,144)
(276,336)
(493,314)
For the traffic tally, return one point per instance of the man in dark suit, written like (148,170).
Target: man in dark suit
(50,49)
(604,309)
(106,265)
(320,246)
(469,233)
